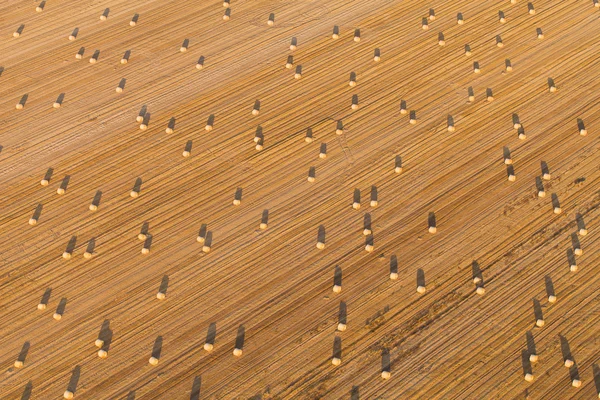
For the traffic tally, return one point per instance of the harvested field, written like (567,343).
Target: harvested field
(303,199)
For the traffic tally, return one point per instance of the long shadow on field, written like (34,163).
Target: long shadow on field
(239,339)
(97,197)
(477,275)
(343,313)
(137,186)
(60,310)
(72,387)
(38,210)
(195,395)
(91,246)
(337,276)
(337,347)
(321,234)
(549,286)
(23,354)
(46,296)
(27,391)
(537,310)
(420,278)
(164,285)
(526,363)
(367,224)
(386,362)
(393,264)
(530,343)
(65,182)
(354,393)
(212,333)
(106,335)
(432,221)
(71,245)
(157,348)
(596,371)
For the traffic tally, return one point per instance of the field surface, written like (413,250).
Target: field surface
(268,291)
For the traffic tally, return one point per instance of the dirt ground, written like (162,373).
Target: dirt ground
(274,284)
